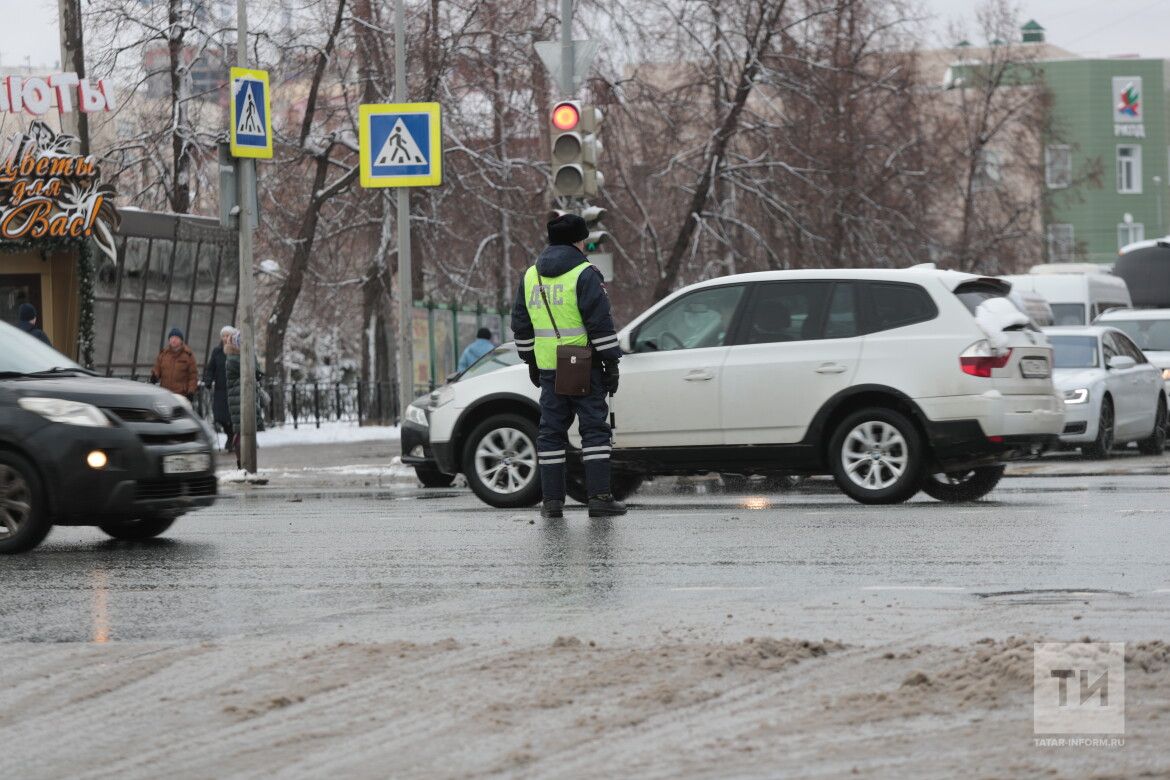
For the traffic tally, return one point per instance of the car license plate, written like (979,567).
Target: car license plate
(1034,368)
(186,463)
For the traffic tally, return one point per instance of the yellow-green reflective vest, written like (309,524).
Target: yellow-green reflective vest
(561,292)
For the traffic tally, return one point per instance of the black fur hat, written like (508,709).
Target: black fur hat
(567,229)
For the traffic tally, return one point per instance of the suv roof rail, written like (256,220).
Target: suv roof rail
(1069,268)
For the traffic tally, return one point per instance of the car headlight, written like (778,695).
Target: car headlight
(1078,396)
(59,410)
(1166,374)
(416,415)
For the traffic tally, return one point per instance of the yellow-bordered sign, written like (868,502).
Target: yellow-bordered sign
(250,114)
(401,144)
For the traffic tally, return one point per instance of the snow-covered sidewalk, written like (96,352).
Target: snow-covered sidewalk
(328,433)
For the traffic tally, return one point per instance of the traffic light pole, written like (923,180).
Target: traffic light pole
(405,293)
(567,53)
(246,181)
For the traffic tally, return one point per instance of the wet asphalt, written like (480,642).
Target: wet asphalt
(1061,557)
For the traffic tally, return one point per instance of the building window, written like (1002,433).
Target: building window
(1057,167)
(987,171)
(1129,170)
(1060,243)
(1127,234)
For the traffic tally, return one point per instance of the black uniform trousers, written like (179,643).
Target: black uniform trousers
(556,415)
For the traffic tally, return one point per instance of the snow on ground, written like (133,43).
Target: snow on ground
(328,433)
(395,471)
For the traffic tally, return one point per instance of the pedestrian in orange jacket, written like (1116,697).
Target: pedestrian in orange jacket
(175,367)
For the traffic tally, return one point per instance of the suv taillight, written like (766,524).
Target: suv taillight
(979,358)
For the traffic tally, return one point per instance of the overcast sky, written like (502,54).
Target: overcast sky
(1086,27)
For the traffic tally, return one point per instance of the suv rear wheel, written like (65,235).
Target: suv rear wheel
(23,521)
(131,530)
(876,456)
(431,477)
(499,462)
(622,485)
(969,485)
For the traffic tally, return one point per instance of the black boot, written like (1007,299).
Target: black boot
(552,508)
(605,505)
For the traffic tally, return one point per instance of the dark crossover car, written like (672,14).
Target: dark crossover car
(78,449)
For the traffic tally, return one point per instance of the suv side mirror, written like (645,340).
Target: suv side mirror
(624,340)
(1121,362)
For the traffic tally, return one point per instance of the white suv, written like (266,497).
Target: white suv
(885,379)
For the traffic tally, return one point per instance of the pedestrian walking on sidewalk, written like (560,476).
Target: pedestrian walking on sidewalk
(174,368)
(215,379)
(561,305)
(476,349)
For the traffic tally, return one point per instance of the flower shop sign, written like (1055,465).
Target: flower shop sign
(48,193)
(36,96)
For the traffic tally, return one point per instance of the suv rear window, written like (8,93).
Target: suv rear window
(976,292)
(896,305)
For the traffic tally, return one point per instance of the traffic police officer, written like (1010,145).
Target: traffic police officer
(580,309)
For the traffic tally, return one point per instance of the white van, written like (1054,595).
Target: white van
(1076,297)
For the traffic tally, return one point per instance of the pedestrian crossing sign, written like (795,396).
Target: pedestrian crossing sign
(250,116)
(401,145)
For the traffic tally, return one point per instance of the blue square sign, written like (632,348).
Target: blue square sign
(400,145)
(249,118)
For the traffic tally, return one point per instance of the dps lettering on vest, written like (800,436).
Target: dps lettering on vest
(561,341)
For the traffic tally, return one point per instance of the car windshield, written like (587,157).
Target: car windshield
(23,354)
(498,358)
(1150,335)
(1068,313)
(1074,351)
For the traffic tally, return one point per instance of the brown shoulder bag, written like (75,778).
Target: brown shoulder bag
(574,364)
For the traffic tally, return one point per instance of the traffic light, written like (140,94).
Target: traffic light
(575,149)
(597,234)
(595,243)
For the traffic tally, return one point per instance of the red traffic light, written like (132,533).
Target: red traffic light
(565,116)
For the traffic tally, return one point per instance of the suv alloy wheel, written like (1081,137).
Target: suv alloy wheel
(876,456)
(499,461)
(23,520)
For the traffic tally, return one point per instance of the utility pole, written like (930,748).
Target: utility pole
(405,291)
(247,186)
(73,60)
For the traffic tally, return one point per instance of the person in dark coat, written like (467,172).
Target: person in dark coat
(232,368)
(215,379)
(28,323)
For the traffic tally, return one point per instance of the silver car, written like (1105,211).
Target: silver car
(1113,395)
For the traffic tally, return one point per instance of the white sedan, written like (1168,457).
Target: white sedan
(1113,395)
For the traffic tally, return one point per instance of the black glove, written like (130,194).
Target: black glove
(610,367)
(534,375)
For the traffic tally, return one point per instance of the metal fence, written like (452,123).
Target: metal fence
(309,404)
(442,331)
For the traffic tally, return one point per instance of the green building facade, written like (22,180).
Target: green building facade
(1109,116)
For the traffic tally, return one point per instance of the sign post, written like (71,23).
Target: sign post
(401,146)
(250,129)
